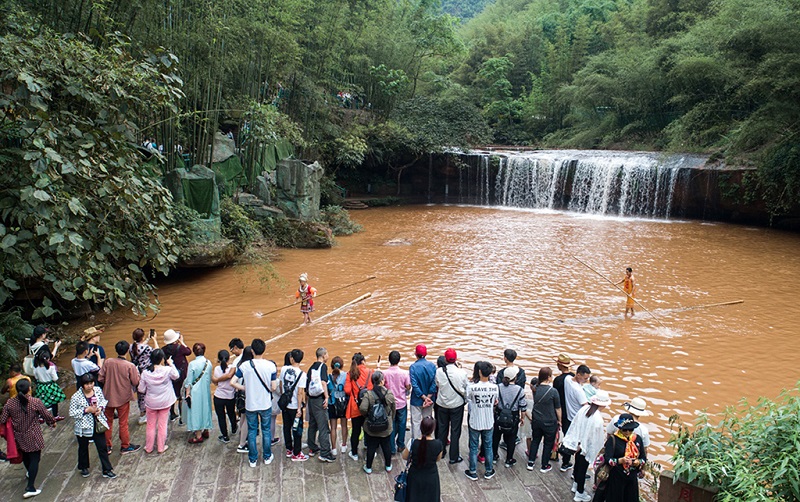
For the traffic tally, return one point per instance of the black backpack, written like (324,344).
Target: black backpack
(505,420)
(362,391)
(378,417)
(286,397)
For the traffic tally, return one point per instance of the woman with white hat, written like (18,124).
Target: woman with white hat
(586,436)
(175,349)
(638,408)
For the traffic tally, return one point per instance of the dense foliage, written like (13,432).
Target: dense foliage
(81,219)
(751,454)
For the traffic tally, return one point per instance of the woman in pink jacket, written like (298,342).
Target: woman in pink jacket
(156,385)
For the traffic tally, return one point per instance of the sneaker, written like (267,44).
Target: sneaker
(85,473)
(3,457)
(172,417)
(234,430)
(242,449)
(367,470)
(343,448)
(566,467)
(574,487)
(353,456)
(166,447)
(268,461)
(323,458)
(546,468)
(334,451)
(471,475)
(275,441)
(300,457)
(224,439)
(142,420)
(130,449)
(529,466)
(59,418)
(109,450)
(582,497)
(489,474)
(252,464)
(109,474)
(511,463)
(481,459)
(503,445)
(388,468)
(457,461)
(29,494)
(312,453)
(289,453)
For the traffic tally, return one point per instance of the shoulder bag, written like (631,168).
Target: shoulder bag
(200,376)
(453,386)
(401,481)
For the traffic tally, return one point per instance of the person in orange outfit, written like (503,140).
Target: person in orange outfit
(629,286)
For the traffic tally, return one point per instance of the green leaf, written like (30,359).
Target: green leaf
(11,284)
(56,239)
(41,195)
(8,241)
(76,239)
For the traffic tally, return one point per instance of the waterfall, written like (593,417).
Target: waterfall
(586,181)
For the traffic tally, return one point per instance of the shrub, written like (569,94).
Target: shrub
(237,225)
(339,220)
(752,454)
(14,332)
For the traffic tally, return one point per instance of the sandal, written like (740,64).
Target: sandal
(195,440)
(205,434)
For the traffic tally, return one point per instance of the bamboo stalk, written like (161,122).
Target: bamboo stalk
(619,288)
(709,305)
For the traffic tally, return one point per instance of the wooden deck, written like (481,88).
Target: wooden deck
(214,471)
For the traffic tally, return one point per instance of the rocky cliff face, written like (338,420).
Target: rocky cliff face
(298,189)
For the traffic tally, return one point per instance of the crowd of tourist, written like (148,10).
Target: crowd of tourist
(355,411)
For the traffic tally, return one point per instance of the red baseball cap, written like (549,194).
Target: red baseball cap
(450,355)
(421,351)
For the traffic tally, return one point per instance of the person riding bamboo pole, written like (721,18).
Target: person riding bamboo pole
(629,296)
(262,314)
(629,287)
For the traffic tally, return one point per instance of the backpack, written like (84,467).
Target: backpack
(506,420)
(338,399)
(315,388)
(286,396)
(378,418)
(362,391)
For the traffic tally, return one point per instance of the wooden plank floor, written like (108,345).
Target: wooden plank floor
(213,471)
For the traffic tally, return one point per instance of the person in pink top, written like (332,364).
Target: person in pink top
(399,383)
(156,384)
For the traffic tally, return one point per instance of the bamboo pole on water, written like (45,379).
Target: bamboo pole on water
(619,288)
(339,309)
(708,305)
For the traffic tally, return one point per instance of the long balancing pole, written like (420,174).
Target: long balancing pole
(323,294)
(619,288)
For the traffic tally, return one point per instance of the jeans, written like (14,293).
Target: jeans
(156,431)
(293,439)
(223,407)
(31,461)
(538,432)
(372,443)
(398,437)
(450,420)
(124,436)
(102,451)
(474,440)
(266,433)
(417,414)
(318,425)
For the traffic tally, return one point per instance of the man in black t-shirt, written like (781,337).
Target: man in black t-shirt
(317,392)
(563,362)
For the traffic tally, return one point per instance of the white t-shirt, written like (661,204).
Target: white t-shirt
(48,374)
(640,431)
(82,366)
(288,376)
(574,396)
(481,398)
(257,397)
(224,388)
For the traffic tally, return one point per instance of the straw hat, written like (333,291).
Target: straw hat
(90,333)
(563,359)
(171,336)
(638,407)
(601,398)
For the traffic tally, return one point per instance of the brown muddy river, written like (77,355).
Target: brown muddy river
(482,279)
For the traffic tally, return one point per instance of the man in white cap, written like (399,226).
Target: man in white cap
(638,408)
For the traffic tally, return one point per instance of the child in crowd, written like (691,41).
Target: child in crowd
(592,386)
(15,372)
(82,365)
(47,389)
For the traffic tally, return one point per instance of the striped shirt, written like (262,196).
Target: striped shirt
(481,398)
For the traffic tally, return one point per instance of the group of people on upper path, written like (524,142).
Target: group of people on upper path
(338,407)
